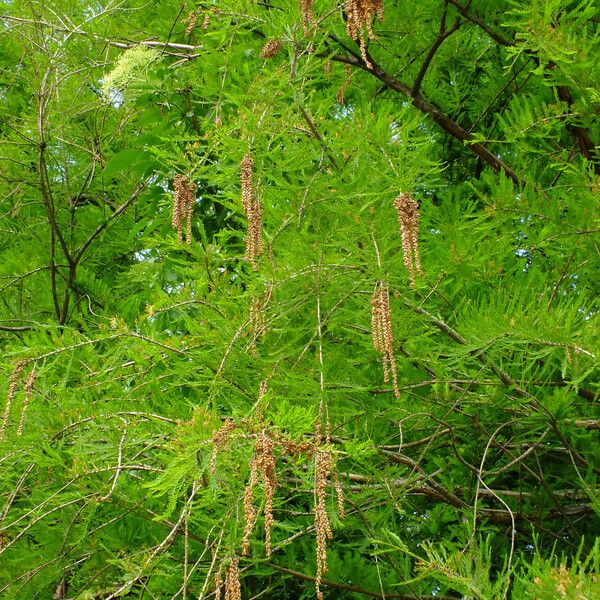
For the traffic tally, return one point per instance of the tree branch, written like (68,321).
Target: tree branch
(422,104)
(444,34)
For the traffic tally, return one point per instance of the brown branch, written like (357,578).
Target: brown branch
(16,329)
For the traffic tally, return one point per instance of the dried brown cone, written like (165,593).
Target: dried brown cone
(359,15)
(271,48)
(233,589)
(220,438)
(253,211)
(28,389)
(13,382)
(408,219)
(308,20)
(183,206)
(383,339)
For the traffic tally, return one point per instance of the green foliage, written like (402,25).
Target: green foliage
(152,387)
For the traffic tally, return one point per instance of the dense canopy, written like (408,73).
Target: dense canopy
(299,299)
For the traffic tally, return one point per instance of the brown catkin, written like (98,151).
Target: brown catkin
(13,382)
(267,466)
(250,512)
(218,582)
(183,206)
(257,317)
(322,525)
(253,211)
(28,389)
(271,48)
(359,15)
(263,461)
(408,219)
(191,20)
(308,19)
(220,438)
(383,340)
(233,589)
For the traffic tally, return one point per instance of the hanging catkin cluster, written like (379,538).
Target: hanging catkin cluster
(263,462)
(360,14)
(263,468)
(308,19)
(183,205)
(253,211)
(383,341)
(408,218)
(271,48)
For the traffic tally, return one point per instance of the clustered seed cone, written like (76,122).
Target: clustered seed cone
(383,341)
(360,14)
(271,48)
(408,219)
(253,211)
(183,206)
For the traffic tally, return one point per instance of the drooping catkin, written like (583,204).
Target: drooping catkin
(218,581)
(308,19)
(233,589)
(183,206)
(191,21)
(253,211)
(220,438)
(13,382)
(263,461)
(360,14)
(340,95)
(250,512)
(258,316)
(28,389)
(267,467)
(383,340)
(408,219)
(271,48)
(322,525)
